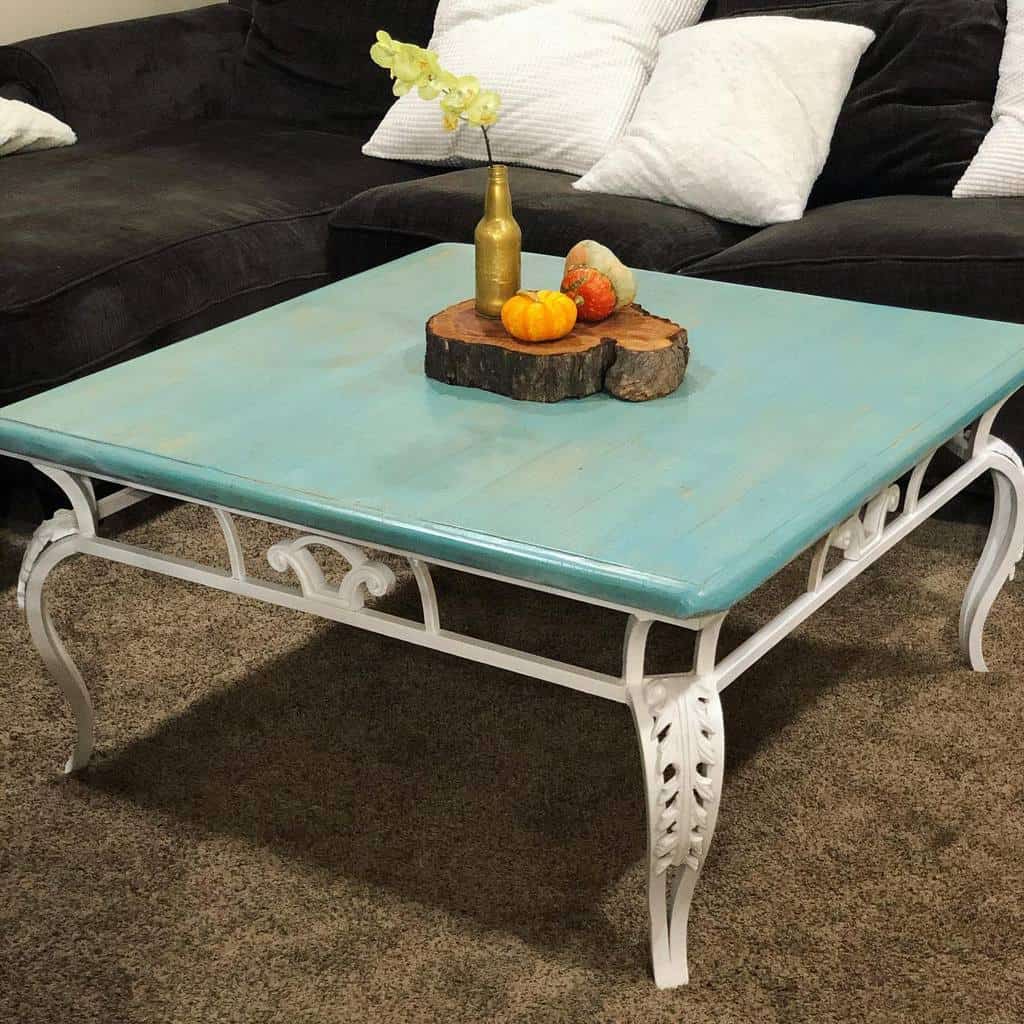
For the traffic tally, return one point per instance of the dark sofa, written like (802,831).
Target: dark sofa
(219,171)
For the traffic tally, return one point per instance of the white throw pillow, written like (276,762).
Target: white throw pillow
(998,167)
(737,119)
(569,75)
(24,128)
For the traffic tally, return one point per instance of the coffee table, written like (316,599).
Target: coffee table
(797,417)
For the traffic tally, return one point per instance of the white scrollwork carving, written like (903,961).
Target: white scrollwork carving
(690,744)
(364,576)
(962,442)
(860,533)
(855,536)
(63,524)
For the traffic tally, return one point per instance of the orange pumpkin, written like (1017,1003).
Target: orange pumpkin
(539,316)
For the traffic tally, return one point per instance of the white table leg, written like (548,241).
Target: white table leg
(52,650)
(1001,554)
(682,750)
(55,540)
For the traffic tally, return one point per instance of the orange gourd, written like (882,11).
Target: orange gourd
(592,292)
(589,253)
(539,316)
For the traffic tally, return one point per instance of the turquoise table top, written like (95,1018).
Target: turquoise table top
(795,409)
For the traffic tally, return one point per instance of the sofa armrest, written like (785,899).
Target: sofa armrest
(132,75)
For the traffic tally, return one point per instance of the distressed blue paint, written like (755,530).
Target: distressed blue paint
(795,410)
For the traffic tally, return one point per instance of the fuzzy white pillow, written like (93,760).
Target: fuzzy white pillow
(569,74)
(998,167)
(24,128)
(737,119)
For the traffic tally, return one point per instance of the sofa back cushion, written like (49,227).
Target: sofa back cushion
(307,61)
(130,76)
(921,101)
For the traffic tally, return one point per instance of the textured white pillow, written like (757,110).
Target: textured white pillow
(998,167)
(24,128)
(569,74)
(737,119)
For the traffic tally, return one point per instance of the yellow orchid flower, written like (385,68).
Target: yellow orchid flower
(382,53)
(461,94)
(483,110)
(461,98)
(436,81)
(406,65)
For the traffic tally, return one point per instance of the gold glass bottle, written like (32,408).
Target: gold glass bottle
(498,246)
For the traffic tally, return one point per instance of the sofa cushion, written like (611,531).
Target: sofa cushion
(132,76)
(921,100)
(392,220)
(927,252)
(307,61)
(108,244)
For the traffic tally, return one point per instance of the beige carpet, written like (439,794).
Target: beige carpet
(291,821)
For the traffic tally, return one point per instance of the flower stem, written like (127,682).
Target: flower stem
(487,143)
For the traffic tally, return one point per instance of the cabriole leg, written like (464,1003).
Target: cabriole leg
(54,655)
(682,750)
(55,540)
(1002,552)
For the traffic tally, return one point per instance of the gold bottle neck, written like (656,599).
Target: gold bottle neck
(498,199)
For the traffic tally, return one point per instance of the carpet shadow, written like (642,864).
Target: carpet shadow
(12,550)
(512,802)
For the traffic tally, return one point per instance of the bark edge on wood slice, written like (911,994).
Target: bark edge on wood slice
(633,355)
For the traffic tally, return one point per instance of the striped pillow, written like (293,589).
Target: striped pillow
(998,167)
(569,73)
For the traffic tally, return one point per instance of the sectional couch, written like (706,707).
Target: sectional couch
(219,171)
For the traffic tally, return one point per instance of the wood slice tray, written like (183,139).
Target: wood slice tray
(632,355)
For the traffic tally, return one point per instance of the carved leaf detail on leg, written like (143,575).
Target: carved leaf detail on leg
(688,748)
(63,524)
